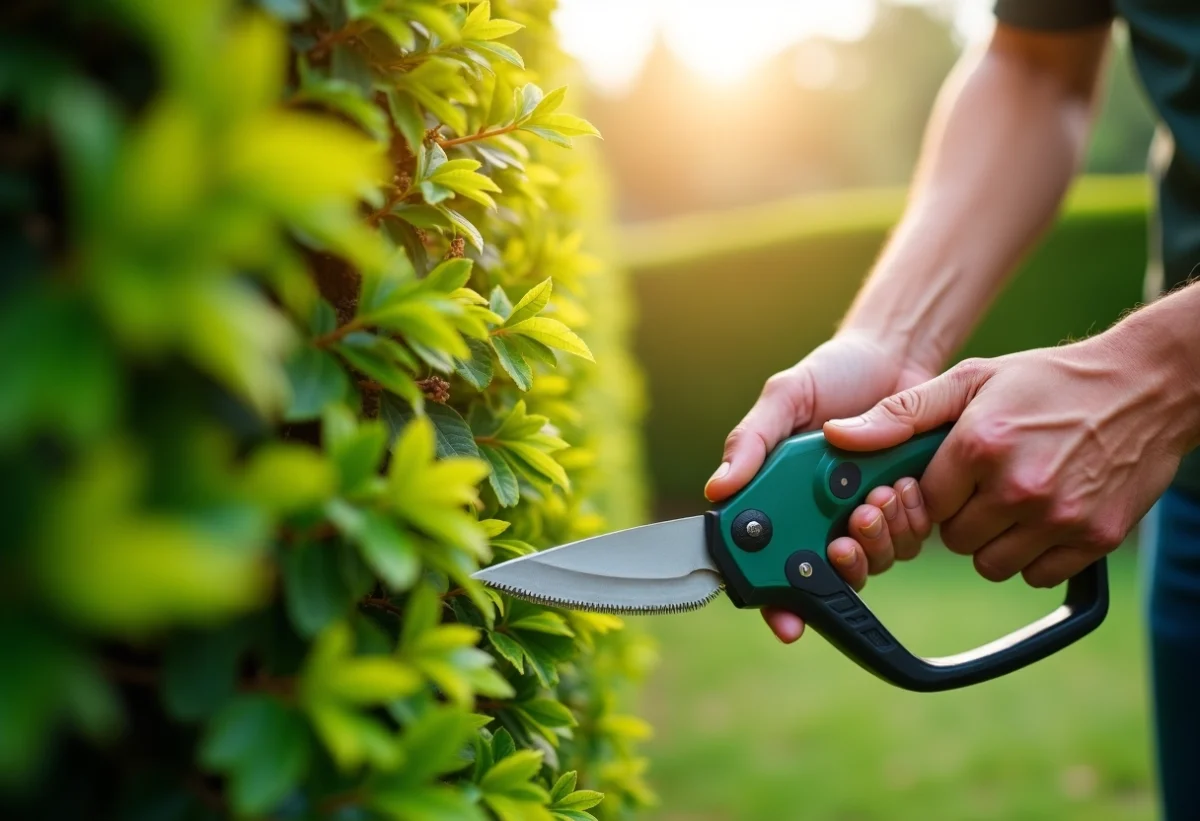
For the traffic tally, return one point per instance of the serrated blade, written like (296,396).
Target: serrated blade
(658,568)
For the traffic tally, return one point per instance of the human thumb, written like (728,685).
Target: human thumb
(898,417)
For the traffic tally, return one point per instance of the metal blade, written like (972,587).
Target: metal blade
(658,568)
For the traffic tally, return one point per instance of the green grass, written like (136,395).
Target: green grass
(726,299)
(750,730)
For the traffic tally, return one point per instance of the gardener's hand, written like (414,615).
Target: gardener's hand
(1056,454)
(845,376)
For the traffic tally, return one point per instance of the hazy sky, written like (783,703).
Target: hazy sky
(723,40)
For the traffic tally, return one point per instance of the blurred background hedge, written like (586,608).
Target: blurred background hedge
(767,284)
(289,318)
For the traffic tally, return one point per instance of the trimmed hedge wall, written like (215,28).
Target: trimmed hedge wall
(727,299)
(289,326)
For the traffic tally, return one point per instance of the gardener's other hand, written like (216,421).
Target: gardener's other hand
(1056,454)
(843,377)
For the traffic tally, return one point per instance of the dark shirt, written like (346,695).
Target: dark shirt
(1164,38)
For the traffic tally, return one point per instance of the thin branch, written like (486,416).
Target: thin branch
(382,604)
(325,340)
(478,135)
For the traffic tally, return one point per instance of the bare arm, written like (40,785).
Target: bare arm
(1008,133)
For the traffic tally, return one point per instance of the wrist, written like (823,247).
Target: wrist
(1158,353)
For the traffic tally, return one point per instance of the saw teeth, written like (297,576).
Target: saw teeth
(610,609)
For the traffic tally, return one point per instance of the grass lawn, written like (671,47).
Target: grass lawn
(750,730)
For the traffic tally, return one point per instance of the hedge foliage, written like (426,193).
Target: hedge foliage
(289,348)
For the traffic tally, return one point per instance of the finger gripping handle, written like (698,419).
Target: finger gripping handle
(801,499)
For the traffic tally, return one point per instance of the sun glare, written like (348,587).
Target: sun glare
(722,42)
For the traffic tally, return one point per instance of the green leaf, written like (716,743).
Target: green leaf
(425,803)
(435,743)
(525,100)
(564,786)
(499,303)
(452,436)
(381,360)
(502,745)
(566,125)
(314,590)
(406,114)
(509,774)
(549,103)
(533,351)
(553,333)
(389,551)
(316,380)
(449,276)
(549,713)
(494,527)
(541,621)
(506,53)
(398,31)
(538,463)
(262,747)
(532,303)
(477,370)
(580,800)
(502,479)
(348,65)
(513,362)
(548,134)
(509,649)
(480,26)
(200,671)
(358,452)
(464,227)
(423,216)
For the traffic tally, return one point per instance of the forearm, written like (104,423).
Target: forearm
(1005,139)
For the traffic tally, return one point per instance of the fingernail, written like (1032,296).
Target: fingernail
(721,471)
(911,494)
(843,556)
(873,528)
(852,422)
(890,508)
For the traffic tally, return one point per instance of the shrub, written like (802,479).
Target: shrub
(289,350)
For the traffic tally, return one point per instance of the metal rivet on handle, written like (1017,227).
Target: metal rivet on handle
(754,529)
(805,569)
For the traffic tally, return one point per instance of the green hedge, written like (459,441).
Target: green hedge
(288,330)
(726,299)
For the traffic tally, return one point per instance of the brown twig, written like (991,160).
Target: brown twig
(331,38)
(325,340)
(478,135)
(382,604)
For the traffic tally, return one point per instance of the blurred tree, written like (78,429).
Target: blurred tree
(821,115)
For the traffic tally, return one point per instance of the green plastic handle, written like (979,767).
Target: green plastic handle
(769,542)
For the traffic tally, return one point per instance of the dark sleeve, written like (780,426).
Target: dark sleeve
(1054,15)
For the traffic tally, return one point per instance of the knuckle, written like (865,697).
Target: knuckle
(1030,487)
(987,440)
(1037,577)
(954,541)
(991,569)
(776,384)
(1065,515)
(1105,535)
(971,369)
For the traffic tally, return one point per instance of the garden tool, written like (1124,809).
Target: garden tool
(766,547)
